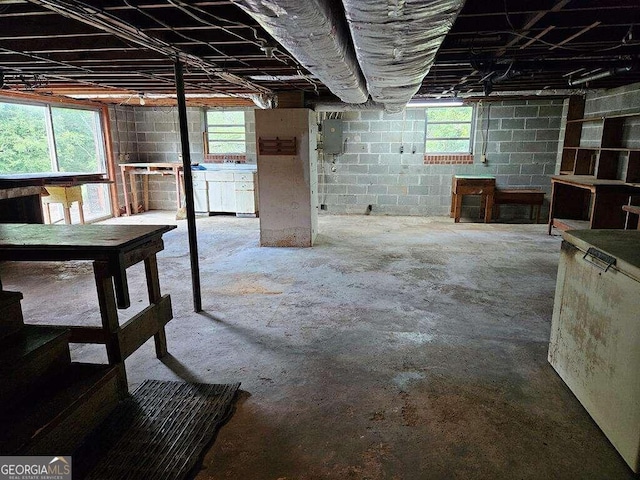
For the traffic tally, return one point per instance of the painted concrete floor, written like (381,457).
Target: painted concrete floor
(397,348)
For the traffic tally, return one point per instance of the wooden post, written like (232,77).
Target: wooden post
(153,288)
(188,188)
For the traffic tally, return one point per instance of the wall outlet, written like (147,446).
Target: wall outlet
(483,159)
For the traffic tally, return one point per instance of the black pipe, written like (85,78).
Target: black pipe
(188,188)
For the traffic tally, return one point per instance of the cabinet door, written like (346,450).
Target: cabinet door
(245,201)
(200,200)
(215,196)
(228,196)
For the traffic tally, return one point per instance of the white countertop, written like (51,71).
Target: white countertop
(237,167)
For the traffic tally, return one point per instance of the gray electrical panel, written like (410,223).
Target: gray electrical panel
(332,136)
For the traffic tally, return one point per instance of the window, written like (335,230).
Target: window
(225,132)
(38,137)
(449,130)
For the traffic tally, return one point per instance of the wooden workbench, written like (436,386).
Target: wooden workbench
(20,192)
(130,170)
(112,248)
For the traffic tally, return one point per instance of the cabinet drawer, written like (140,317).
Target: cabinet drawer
(199,184)
(219,176)
(243,186)
(243,177)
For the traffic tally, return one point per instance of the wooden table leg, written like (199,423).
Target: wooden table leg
(81,212)
(127,205)
(134,192)
(145,187)
(153,288)
(457,208)
(488,208)
(109,313)
(47,213)
(176,173)
(67,214)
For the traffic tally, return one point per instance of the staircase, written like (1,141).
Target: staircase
(48,404)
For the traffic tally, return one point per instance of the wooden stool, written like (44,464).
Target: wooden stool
(66,196)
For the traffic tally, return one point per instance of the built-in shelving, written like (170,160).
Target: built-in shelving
(595,180)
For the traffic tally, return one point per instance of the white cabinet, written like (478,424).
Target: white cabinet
(245,193)
(225,192)
(200,193)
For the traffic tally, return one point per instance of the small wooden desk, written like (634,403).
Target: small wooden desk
(112,248)
(130,170)
(483,185)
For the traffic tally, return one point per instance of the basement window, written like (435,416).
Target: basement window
(41,137)
(225,132)
(449,130)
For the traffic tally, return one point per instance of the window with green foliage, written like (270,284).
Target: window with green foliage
(225,132)
(40,137)
(449,130)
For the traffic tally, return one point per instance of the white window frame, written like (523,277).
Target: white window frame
(471,123)
(209,135)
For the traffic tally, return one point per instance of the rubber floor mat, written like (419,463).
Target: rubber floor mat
(159,432)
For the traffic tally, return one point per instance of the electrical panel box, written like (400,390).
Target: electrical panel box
(332,136)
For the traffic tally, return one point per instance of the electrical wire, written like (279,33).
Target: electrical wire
(259,42)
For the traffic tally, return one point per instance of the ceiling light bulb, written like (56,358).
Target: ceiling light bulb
(142,101)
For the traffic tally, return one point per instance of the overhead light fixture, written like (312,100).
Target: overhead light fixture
(445,102)
(142,100)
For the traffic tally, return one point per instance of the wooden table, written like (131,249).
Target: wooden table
(483,185)
(130,170)
(20,192)
(584,201)
(112,248)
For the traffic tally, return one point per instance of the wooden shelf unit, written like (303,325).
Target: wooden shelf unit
(603,161)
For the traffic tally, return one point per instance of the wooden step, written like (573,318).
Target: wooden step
(56,419)
(29,356)
(10,312)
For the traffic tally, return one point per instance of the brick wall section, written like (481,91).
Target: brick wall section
(521,149)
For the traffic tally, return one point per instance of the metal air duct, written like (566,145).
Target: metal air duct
(316,35)
(396,42)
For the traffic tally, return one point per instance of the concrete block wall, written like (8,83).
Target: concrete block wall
(521,146)
(124,141)
(158,140)
(151,134)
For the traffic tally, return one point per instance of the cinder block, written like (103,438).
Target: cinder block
(370,115)
(358,126)
(408,200)
(512,123)
(387,199)
(524,135)
(377,189)
(532,169)
(537,123)
(508,169)
(378,169)
(528,111)
(379,148)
